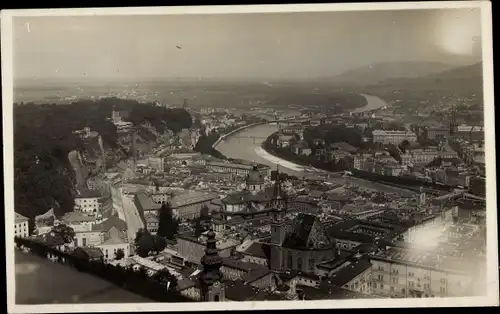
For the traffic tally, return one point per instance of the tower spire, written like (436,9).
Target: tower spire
(211,275)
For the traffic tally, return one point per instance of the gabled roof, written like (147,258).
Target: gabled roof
(258,249)
(91,252)
(109,223)
(20,218)
(307,233)
(114,237)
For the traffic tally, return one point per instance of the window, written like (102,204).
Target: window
(442,290)
(443,280)
(411,284)
(403,290)
(381,286)
(299,263)
(375,285)
(410,274)
(312,263)
(395,271)
(392,289)
(84,241)
(380,277)
(427,286)
(395,280)
(290,260)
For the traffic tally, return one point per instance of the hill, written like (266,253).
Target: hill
(380,72)
(461,81)
(453,86)
(44,178)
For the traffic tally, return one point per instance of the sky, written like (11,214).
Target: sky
(259,45)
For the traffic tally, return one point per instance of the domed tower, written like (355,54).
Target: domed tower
(212,289)
(255,180)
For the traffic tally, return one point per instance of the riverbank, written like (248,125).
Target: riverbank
(261,152)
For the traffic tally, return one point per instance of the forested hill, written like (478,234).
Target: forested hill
(43,137)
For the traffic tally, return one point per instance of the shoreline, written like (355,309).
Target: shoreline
(261,152)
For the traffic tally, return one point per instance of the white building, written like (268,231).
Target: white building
(393,137)
(21,226)
(114,240)
(398,272)
(88,202)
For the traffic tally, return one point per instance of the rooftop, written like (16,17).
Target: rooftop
(20,218)
(425,259)
(76,217)
(188,197)
(348,270)
(88,194)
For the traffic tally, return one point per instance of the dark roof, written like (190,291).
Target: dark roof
(109,223)
(90,252)
(338,260)
(347,273)
(300,234)
(258,249)
(88,194)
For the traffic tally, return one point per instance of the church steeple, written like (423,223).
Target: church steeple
(211,276)
(278,200)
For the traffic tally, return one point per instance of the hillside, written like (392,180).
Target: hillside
(380,72)
(43,140)
(462,80)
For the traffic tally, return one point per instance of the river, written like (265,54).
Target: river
(372,102)
(247,144)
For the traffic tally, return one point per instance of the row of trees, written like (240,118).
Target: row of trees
(161,287)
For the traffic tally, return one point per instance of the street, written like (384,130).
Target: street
(40,281)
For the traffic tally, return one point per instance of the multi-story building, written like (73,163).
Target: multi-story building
(398,272)
(188,204)
(393,137)
(437,132)
(239,169)
(88,202)
(21,226)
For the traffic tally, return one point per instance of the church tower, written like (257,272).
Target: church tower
(212,289)
(278,228)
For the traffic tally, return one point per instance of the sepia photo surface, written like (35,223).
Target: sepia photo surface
(301,156)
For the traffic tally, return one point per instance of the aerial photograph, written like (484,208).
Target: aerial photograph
(248,157)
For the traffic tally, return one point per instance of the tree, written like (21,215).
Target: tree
(204,212)
(164,277)
(144,243)
(198,228)
(119,254)
(65,232)
(168,225)
(159,243)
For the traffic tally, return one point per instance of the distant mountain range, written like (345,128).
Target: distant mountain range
(380,72)
(465,79)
